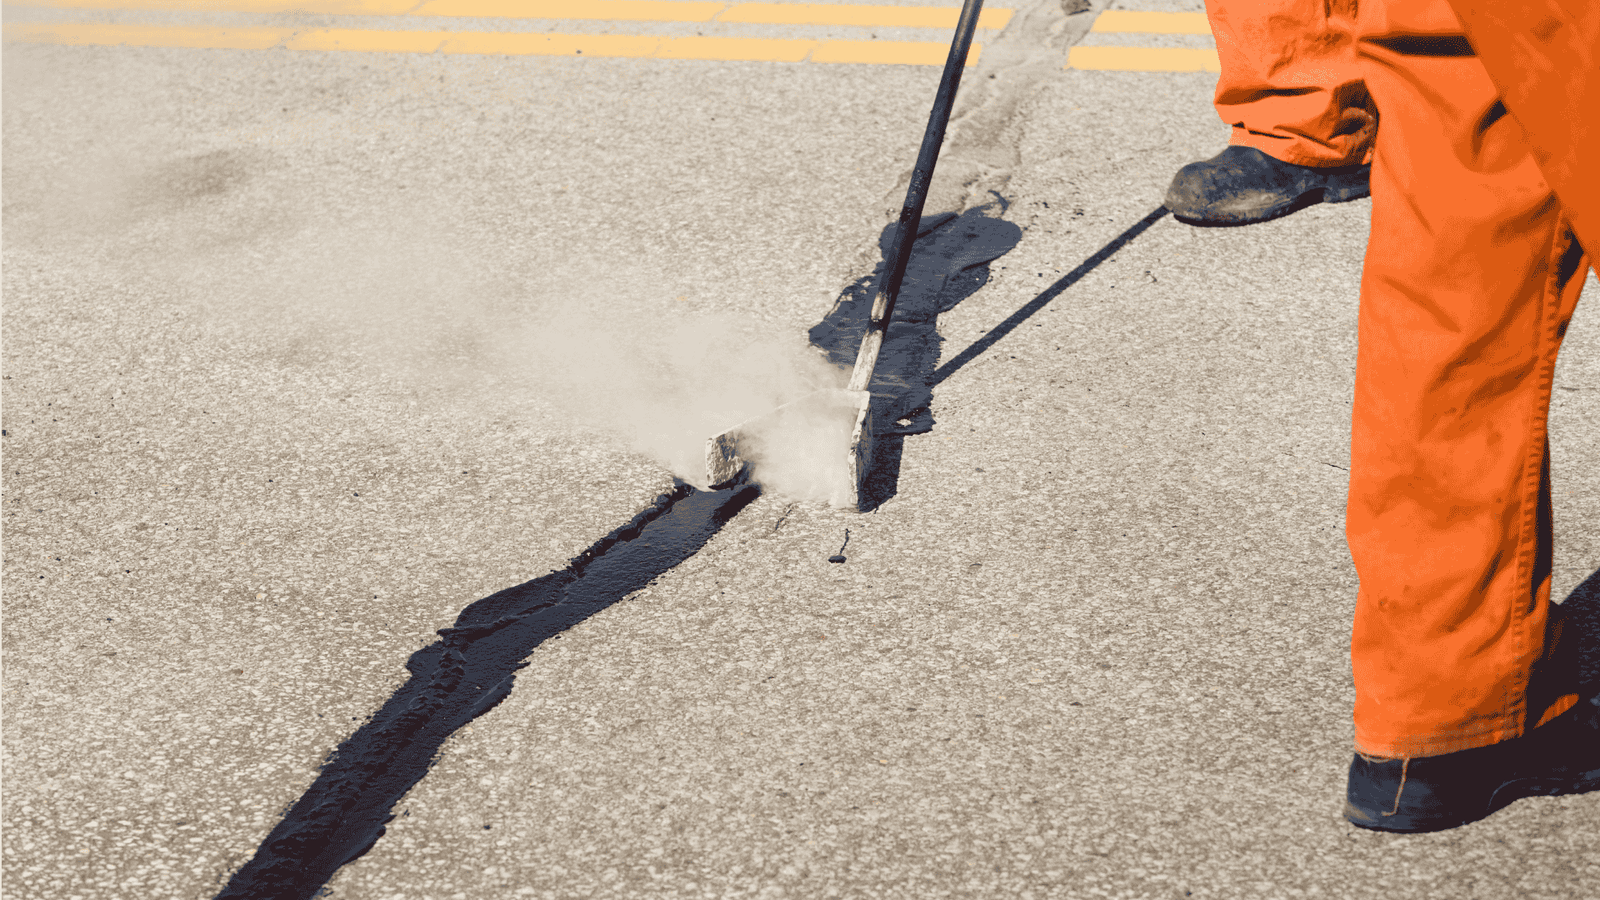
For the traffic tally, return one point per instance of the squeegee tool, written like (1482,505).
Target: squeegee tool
(729,455)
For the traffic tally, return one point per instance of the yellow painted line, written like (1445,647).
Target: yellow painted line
(906,53)
(362,41)
(849,14)
(859,15)
(1144,59)
(78,33)
(635,10)
(742,49)
(1124,21)
(490,43)
(326,7)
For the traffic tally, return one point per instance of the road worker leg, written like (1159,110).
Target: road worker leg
(1290,84)
(1471,276)
(1302,120)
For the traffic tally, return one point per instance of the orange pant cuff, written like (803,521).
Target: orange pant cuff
(1298,151)
(1439,745)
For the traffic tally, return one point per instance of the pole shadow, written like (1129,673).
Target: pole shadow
(981,345)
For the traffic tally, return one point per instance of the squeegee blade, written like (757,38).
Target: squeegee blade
(731,455)
(725,467)
(860,451)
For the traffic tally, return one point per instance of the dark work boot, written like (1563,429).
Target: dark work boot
(1432,793)
(1242,185)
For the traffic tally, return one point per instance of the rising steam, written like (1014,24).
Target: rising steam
(296,256)
(667,380)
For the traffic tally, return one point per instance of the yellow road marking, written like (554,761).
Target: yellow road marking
(909,53)
(742,49)
(1124,21)
(1128,59)
(854,14)
(636,10)
(368,41)
(326,7)
(851,14)
(75,33)
(489,43)
(1144,59)
(509,44)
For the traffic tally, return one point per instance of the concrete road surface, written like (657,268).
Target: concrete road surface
(309,351)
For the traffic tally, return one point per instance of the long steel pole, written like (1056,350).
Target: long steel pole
(916,196)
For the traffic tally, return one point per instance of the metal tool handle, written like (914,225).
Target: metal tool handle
(916,196)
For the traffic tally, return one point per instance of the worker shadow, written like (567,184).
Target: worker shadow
(1582,611)
(949,263)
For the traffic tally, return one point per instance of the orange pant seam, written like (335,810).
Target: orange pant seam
(1538,437)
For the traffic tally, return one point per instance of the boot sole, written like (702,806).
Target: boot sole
(1504,796)
(1341,187)
(1399,825)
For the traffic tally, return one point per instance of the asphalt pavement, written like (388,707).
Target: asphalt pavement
(306,352)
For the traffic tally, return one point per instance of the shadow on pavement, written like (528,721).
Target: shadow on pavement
(1040,302)
(1582,608)
(949,263)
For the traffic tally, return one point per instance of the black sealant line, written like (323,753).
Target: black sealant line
(840,557)
(471,668)
(461,676)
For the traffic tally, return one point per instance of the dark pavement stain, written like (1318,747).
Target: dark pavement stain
(199,177)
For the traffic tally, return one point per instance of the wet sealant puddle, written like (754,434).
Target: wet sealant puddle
(464,674)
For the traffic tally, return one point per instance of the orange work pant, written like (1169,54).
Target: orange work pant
(1544,56)
(1291,85)
(1471,276)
